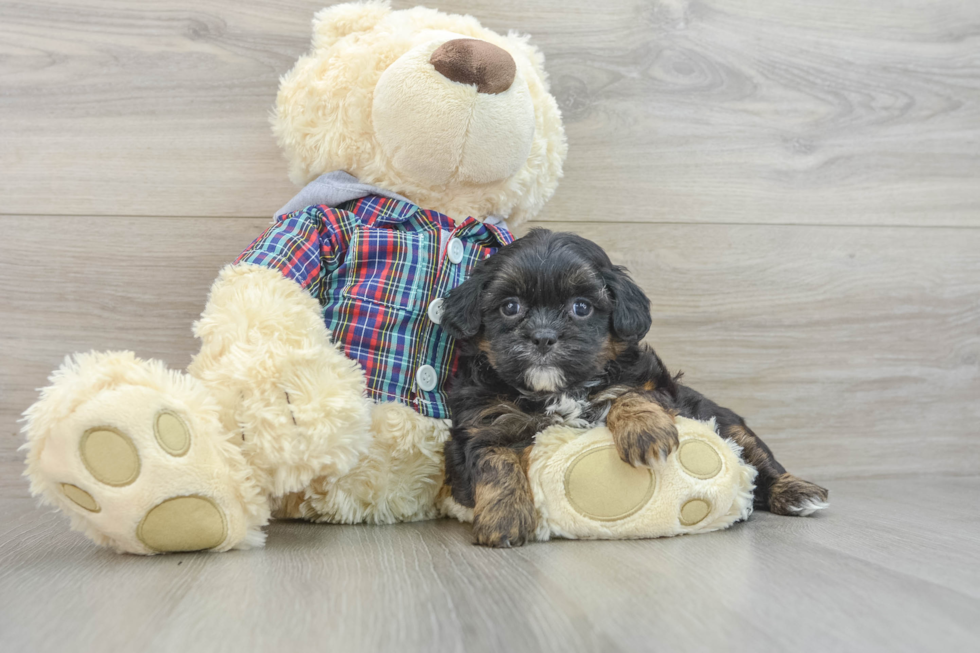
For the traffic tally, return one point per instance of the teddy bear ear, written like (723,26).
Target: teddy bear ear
(334,23)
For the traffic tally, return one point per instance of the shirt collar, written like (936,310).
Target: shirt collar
(492,231)
(376,210)
(498,226)
(333,189)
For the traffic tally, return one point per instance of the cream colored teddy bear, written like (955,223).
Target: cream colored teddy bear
(319,390)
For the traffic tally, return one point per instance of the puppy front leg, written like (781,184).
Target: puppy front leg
(642,429)
(504,512)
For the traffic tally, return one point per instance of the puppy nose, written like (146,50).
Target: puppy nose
(544,339)
(471,61)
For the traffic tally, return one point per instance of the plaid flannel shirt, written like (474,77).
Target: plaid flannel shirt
(376,264)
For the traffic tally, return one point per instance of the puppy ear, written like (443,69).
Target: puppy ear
(631,308)
(461,314)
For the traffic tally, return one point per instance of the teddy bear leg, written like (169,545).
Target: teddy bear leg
(583,489)
(296,401)
(136,456)
(398,479)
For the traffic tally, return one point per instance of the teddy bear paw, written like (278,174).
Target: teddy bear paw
(190,522)
(586,490)
(149,470)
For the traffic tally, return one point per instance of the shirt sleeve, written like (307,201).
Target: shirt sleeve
(304,246)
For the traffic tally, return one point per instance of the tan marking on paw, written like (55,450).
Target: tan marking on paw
(699,460)
(191,523)
(110,456)
(504,513)
(694,511)
(600,486)
(642,430)
(172,434)
(793,496)
(80,497)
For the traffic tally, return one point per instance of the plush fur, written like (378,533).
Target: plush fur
(367,100)
(277,416)
(551,332)
(729,493)
(398,479)
(555,450)
(296,400)
(84,392)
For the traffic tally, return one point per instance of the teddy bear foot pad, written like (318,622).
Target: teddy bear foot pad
(583,489)
(184,523)
(145,469)
(600,486)
(122,461)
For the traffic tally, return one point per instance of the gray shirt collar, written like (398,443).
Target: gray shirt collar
(335,188)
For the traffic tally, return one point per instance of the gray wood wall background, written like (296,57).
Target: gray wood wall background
(796,185)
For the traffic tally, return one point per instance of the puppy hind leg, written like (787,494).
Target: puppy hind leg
(777,491)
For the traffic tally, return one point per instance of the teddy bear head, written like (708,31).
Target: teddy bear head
(435,107)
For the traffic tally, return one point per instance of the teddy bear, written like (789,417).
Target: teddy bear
(319,392)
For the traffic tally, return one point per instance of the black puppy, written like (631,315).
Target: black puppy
(550,332)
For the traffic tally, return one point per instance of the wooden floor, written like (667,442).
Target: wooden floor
(891,568)
(795,184)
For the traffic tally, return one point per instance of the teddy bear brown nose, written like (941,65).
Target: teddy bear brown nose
(471,61)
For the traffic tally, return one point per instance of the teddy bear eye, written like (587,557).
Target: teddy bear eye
(510,308)
(581,308)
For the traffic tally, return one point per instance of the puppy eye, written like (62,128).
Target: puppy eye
(581,308)
(510,308)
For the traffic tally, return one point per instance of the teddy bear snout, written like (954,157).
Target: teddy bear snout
(472,61)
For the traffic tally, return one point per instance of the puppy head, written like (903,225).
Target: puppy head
(549,311)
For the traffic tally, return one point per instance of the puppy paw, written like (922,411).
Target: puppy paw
(504,514)
(504,524)
(644,447)
(793,496)
(642,430)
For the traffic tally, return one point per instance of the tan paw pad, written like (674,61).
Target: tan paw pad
(694,511)
(699,459)
(172,434)
(600,486)
(190,523)
(110,456)
(80,497)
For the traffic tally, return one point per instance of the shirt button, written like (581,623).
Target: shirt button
(426,378)
(435,310)
(456,250)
